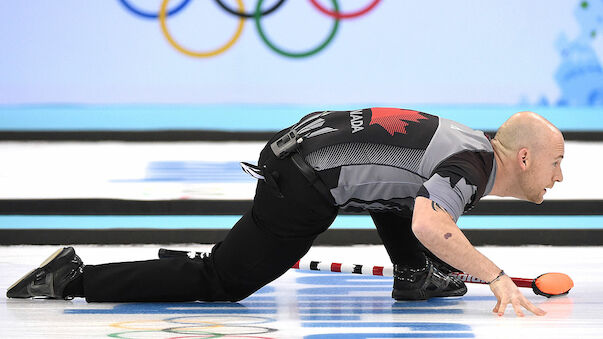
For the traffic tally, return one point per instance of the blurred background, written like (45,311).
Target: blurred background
(124,120)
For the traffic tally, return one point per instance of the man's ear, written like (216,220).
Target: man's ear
(522,158)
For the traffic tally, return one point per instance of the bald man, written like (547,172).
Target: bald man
(415,173)
(528,151)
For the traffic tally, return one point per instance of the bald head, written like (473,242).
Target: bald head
(526,130)
(528,150)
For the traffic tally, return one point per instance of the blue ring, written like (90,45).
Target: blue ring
(147,15)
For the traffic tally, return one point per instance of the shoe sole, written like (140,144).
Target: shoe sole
(42,265)
(424,295)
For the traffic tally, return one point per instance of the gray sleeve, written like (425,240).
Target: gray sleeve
(452,198)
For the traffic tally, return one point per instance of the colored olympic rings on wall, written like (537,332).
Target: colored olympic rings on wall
(257,14)
(166,33)
(336,14)
(148,15)
(249,15)
(294,54)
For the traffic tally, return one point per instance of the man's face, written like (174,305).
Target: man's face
(544,170)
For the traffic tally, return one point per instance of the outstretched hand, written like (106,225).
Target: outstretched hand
(506,293)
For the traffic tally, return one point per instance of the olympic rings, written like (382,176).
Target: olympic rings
(148,15)
(223,330)
(200,54)
(336,14)
(233,319)
(242,15)
(126,325)
(293,54)
(201,326)
(247,15)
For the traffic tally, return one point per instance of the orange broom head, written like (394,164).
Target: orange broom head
(551,284)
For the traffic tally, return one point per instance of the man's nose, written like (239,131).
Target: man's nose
(559,176)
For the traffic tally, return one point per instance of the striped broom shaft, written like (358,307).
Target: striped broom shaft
(310,265)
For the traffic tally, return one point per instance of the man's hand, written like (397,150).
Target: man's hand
(506,292)
(436,230)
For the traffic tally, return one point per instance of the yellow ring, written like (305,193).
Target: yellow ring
(123,325)
(162,16)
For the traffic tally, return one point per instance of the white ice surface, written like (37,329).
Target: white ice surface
(285,307)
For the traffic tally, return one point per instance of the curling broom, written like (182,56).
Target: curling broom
(547,284)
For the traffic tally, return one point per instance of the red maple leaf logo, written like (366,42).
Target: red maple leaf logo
(394,119)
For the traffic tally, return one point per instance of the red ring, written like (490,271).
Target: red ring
(350,15)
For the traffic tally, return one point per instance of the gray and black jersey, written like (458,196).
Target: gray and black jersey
(383,158)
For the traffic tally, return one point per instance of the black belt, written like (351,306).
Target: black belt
(261,173)
(311,176)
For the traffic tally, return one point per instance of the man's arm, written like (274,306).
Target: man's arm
(437,231)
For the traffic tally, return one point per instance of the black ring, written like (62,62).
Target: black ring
(247,15)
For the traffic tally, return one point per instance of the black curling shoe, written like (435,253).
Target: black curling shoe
(49,280)
(424,283)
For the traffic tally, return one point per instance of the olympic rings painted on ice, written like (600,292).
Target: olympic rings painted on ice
(223,330)
(222,319)
(150,334)
(199,326)
(139,325)
(336,14)
(242,15)
(148,15)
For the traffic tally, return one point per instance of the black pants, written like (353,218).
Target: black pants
(400,242)
(261,246)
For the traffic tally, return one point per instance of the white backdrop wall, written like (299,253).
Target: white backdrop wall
(442,52)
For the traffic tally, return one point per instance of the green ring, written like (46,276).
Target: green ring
(257,15)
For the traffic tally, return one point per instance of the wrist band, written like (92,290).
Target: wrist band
(497,277)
